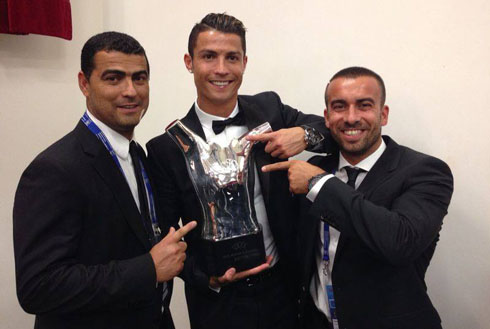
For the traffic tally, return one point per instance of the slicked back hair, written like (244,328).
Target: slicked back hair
(109,41)
(356,72)
(219,22)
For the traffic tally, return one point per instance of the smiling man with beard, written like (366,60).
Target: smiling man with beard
(370,219)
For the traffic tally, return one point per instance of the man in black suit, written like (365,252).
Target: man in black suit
(365,246)
(261,297)
(87,242)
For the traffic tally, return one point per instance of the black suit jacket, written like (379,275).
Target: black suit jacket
(389,228)
(81,249)
(177,198)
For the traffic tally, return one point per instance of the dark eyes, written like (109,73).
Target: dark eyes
(231,58)
(112,78)
(141,77)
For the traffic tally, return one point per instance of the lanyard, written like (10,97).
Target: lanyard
(151,203)
(328,287)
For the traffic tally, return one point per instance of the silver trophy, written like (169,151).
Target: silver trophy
(230,231)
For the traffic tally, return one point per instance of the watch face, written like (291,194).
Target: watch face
(312,137)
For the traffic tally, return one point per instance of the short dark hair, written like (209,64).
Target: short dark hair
(220,22)
(356,72)
(109,41)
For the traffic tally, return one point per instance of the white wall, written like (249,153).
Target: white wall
(434,57)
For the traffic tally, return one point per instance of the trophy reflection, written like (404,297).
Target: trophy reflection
(230,232)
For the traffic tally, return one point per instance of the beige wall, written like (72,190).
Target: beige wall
(434,57)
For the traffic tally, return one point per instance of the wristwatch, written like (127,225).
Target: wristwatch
(313,180)
(312,137)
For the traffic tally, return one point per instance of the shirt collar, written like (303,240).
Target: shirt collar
(207,119)
(119,143)
(367,163)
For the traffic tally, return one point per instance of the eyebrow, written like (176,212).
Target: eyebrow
(368,99)
(122,73)
(338,101)
(212,52)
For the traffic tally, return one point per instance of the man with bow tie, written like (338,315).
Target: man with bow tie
(371,217)
(261,297)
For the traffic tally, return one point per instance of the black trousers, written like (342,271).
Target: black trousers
(258,302)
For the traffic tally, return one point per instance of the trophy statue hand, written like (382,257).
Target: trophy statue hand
(283,143)
(231,275)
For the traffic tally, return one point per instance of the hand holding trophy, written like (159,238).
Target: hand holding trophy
(230,231)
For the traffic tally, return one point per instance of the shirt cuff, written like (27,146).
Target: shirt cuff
(216,290)
(317,187)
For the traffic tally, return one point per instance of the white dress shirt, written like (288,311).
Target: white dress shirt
(120,145)
(223,139)
(320,279)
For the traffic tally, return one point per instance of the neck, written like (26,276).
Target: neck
(221,109)
(354,158)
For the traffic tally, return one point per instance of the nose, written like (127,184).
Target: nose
(221,68)
(352,117)
(129,90)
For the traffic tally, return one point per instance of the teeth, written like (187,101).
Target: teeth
(220,83)
(352,132)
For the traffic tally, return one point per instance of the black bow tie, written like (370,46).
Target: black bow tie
(220,125)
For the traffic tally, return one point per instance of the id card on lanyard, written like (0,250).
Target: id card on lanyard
(151,203)
(328,287)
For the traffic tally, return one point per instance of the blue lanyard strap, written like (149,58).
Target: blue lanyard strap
(151,202)
(100,135)
(326,242)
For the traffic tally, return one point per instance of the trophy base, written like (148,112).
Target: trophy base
(242,253)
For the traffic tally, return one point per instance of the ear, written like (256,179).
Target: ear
(325,115)
(188,63)
(83,83)
(384,115)
(245,60)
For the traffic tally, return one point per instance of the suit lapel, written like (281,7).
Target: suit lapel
(385,164)
(378,173)
(254,118)
(192,122)
(115,180)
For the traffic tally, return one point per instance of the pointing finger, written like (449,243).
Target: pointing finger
(284,165)
(181,232)
(265,137)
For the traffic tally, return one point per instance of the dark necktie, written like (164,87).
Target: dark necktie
(352,174)
(145,214)
(220,125)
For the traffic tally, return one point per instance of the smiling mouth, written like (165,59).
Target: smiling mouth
(128,106)
(220,83)
(353,132)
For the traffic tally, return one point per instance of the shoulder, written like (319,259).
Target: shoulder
(63,152)
(416,165)
(160,144)
(411,157)
(267,97)
(60,163)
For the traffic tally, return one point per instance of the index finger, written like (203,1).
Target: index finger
(283,165)
(265,137)
(181,232)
